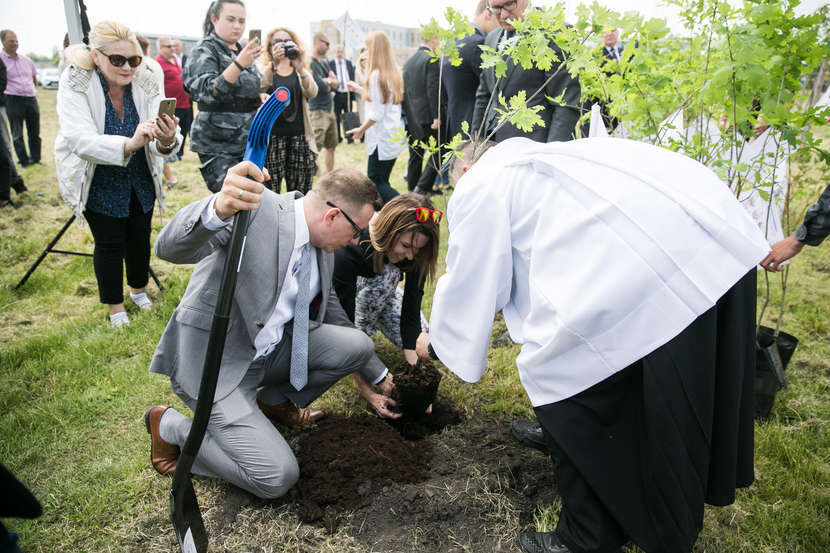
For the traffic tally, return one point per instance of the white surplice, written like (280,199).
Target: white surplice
(598,251)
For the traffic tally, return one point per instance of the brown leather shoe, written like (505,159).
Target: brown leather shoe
(288,413)
(163,455)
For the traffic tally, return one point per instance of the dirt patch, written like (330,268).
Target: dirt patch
(345,462)
(420,425)
(415,387)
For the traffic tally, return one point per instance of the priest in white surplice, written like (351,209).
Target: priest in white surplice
(626,272)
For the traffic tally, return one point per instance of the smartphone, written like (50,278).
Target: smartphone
(168,106)
(255,35)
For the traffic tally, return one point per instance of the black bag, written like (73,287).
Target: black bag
(772,355)
(351,120)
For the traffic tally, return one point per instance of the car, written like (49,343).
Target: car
(48,77)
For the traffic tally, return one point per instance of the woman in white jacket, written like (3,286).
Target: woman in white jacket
(383,113)
(109,156)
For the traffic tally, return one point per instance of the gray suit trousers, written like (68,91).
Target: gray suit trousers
(241,445)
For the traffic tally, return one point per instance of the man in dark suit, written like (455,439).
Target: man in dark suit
(612,50)
(559,120)
(288,338)
(344,70)
(420,107)
(459,83)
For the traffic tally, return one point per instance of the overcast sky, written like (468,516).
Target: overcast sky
(41,24)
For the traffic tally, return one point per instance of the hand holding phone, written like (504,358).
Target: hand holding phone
(168,106)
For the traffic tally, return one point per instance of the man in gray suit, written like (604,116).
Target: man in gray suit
(284,283)
(560,120)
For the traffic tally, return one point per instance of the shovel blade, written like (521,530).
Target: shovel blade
(187,519)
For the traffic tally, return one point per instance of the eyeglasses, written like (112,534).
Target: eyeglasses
(277,41)
(326,42)
(508,6)
(165,45)
(424,214)
(357,230)
(117,60)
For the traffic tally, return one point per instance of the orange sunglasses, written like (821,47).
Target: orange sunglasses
(424,214)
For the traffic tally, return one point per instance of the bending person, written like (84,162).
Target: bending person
(630,283)
(288,339)
(221,76)
(110,154)
(401,243)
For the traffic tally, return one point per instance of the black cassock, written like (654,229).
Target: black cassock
(637,455)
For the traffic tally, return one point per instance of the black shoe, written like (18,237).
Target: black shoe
(541,542)
(19,187)
(9,203)
(423,192)
(529,433)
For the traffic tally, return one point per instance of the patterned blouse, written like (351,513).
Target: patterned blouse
(111,189)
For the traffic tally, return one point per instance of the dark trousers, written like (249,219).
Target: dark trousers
(214,168)
(185,116)
(418,176)
(638,454)
(120,242)
(24,109)
(9,177)
(342,104)
(378,172)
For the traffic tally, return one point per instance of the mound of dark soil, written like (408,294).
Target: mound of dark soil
(345,462)
(415,387)
(420,425)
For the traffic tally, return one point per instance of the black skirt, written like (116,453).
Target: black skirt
(642,451)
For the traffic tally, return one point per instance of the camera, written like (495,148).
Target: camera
(291,51)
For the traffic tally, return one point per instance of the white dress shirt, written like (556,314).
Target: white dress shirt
(387,118)
(271,334)
(598,251)
(342,74)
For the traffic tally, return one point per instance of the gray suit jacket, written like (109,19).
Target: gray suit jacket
(560,121)
(180,353)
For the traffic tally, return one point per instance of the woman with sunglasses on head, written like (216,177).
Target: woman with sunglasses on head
(221,76)
(400,243)
(383,94)
(292,150)
(109,156)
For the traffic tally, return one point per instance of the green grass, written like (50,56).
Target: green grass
(73,391)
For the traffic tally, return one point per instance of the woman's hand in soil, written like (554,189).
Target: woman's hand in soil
(411,356)
(381,405)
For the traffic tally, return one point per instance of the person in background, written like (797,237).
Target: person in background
(185,115)
(812,232)
(109,155)
(383,96)
(401,243)
(420,106)
(292,151)
(21,99)
(9,177)
(173,88)
(178,51)
(354,86)
(221,76)
(321,107)
(343,69)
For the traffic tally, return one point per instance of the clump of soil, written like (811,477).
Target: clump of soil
(345,462)
(420,425)
(415,387)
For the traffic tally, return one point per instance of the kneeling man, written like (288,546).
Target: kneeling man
(288,339)
(627,273)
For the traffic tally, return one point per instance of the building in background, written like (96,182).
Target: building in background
(351,32)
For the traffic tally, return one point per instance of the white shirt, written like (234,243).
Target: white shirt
(387,118)
(342,74)
(271,334)
(598,251)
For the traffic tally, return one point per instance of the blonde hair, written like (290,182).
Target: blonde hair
(102,35)
(389,76)
(397,218)
(266,58)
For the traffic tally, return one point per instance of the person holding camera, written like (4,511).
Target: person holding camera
(221,76)
(292,151)
(109,156)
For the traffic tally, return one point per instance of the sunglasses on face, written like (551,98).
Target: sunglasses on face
(424,214)
(117,60)
(357,230)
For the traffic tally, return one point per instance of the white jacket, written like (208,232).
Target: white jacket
(388,123)
(81,144)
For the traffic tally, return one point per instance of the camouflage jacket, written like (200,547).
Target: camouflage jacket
(816,225)
(225,110)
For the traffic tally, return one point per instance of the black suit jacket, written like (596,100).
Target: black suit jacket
(459,84)
(420,92)
(349,69)
(559,120)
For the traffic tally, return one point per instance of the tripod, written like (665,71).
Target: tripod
(50,248)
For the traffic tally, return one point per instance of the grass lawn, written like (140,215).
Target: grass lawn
(73,391)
